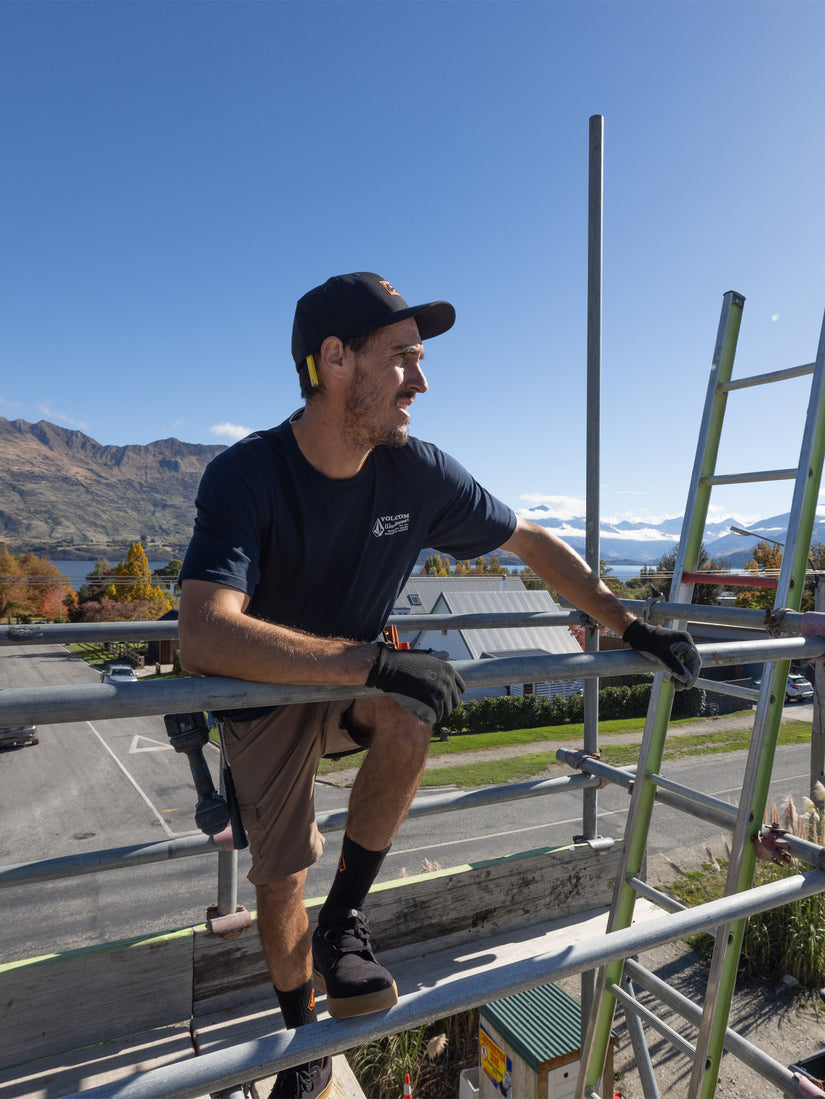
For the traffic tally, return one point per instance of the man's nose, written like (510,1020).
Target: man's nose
(415,379)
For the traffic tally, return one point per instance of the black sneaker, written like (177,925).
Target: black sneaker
(346,969)
(312,1081)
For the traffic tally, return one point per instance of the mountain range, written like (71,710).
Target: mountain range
(67,496)
(644,543)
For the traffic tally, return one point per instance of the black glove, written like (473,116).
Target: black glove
(420,682)
(673,649)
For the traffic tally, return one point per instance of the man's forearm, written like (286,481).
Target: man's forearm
(567,573)
(217,643)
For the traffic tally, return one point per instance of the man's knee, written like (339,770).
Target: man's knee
(283,894)
(374,716)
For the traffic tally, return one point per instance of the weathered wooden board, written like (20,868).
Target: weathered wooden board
(86,1068)
(86,996)
(494,896)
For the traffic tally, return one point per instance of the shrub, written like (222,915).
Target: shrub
(503,712)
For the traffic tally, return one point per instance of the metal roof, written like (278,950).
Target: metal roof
(540,1024)
(428,589)
(543,639)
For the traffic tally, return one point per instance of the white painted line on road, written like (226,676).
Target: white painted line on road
(499,835)
(154,745)
(160,819)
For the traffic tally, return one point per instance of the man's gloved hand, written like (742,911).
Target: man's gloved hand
(420,682)
(672,650)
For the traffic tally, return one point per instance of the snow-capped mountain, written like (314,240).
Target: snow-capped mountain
(643,543)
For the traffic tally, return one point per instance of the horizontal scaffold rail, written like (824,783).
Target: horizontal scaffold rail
(211,1072)
(71,633)
(50,705)
(122,858)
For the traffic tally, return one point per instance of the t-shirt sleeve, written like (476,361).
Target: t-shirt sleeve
(469,521)
(225,546)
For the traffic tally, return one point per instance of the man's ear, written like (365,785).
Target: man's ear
(332,358)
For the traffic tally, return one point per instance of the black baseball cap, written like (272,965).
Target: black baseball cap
(348,305)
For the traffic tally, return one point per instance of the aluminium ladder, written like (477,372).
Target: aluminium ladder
(615,981)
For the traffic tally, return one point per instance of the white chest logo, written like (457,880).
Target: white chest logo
(391,524)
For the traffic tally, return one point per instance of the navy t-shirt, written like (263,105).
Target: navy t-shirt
(327,556)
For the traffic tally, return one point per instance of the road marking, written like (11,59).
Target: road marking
(154,745)
(156,811)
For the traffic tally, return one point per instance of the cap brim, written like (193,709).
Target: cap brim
(433,319)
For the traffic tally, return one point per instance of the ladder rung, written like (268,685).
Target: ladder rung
(766,379)
(656,896)
(630,1003)
(730,579)
(749,478)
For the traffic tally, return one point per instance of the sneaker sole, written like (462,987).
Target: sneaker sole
(348,1007)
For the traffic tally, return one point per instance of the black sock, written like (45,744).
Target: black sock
(357,870)
(298,1006)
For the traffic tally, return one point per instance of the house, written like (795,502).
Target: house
(457,596)
(420,594)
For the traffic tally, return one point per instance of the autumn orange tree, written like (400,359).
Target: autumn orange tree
(13,595)
(30,586)
(766,561)
(46,586)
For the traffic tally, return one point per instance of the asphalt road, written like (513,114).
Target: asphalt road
(97,785)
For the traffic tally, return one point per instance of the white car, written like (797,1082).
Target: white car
(798,689)
(120,673)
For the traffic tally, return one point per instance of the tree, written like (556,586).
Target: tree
(46,586)
(436,566)
(129,594)
(96,582)
(169,573)
(766,561)
(658,580)
(13,588)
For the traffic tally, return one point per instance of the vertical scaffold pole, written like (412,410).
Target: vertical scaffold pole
(592,546)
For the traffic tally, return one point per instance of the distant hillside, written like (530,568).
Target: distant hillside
(64,494)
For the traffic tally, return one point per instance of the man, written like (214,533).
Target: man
(304,536)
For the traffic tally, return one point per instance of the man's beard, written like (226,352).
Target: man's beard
(362,427)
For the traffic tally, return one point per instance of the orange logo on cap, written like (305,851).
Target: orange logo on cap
(389,287)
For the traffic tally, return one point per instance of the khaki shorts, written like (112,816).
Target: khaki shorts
(274,759)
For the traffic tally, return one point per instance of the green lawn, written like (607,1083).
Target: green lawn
(526,767)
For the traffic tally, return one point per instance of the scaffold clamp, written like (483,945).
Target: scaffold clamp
(231,926)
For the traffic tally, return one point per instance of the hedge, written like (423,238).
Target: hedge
(502,712)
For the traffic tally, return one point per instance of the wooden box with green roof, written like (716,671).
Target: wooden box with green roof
(530,1046)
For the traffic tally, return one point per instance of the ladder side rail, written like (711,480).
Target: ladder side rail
(597,1036)
(707,447)
(725,960)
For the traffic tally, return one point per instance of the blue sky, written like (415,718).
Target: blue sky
(177,174)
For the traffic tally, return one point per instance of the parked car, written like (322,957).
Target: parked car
(798,689)
(120,673)
(15,736)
